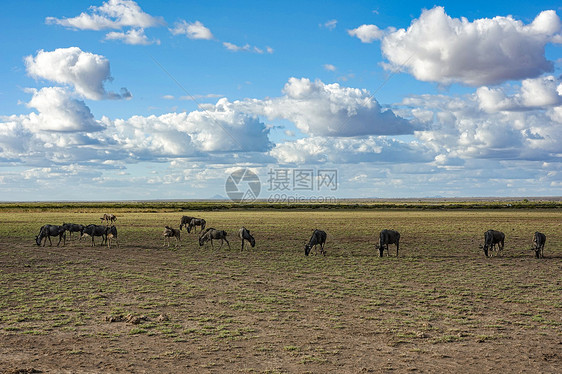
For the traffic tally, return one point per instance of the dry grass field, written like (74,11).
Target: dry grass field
(441,306)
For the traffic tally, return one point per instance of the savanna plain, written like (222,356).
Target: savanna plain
(441,306)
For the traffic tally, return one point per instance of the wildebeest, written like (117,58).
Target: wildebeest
(111,234)
(72,227)
(244,234)
(387,237)
(108,218)
(211,234)
(170,232)
(491,238)
(185,221)
(93,231)
(318,238)
(196,222)
(46,231)
(538,241)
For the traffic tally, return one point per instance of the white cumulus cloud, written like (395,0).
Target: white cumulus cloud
(85,71)
(132,36)
(113,14)
(367,33)
(540,92)
(439,48)
(195,30)
(217,128)
(57,111)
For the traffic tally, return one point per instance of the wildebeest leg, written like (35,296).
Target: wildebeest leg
(226,240)
(242,245)
(50,242)
(397,246)
(322,249)
(212,246)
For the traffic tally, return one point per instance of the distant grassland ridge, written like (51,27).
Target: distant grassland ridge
(179,206)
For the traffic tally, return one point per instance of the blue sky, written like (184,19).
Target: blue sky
(117,99)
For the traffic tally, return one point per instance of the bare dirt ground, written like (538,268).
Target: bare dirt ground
(441,306)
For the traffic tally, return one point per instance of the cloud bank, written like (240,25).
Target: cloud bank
(320,109)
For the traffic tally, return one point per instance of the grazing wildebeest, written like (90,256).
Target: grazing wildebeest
(318,238)
(170,232)
(111,234)
(244,234)
(211,234)
(72,227)
(46,231)
(185,221)
(108,218)
(387,237)
(196,222)
(538,241)
(92,231)
(491,238)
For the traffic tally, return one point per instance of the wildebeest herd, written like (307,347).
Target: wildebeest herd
(107,232)
(492,238)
